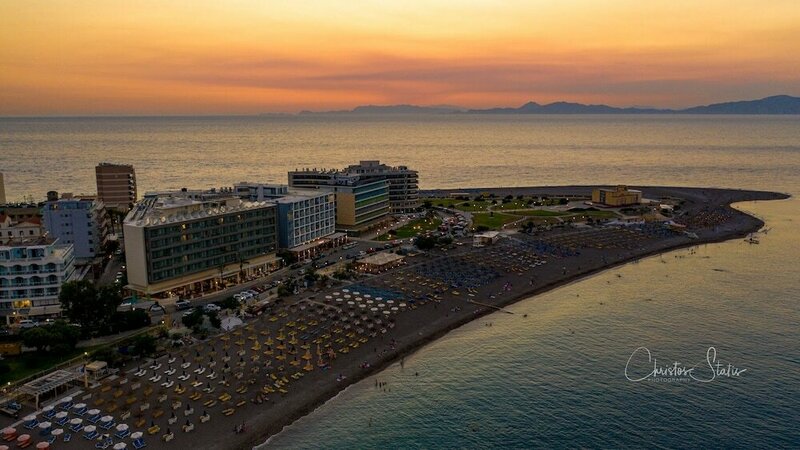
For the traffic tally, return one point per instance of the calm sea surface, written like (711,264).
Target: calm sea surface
(556,378)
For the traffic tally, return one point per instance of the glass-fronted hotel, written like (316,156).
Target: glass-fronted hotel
(403,190)
(361,204)
(179,246)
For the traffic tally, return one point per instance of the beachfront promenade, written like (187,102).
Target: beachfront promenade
(287,361)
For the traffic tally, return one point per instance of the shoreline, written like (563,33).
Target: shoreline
(436,292)
(744,224)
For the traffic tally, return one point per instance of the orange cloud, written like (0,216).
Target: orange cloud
(207,57)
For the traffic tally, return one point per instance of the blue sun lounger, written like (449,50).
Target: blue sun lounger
(91,435)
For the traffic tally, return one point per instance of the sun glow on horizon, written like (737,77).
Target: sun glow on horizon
(247,56)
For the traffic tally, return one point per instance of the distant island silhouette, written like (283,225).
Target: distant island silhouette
(776,105)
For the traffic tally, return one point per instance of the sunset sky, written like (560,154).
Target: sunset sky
(250,56)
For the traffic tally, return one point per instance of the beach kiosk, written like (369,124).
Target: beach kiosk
(485,238)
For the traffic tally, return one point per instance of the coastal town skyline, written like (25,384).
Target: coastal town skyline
(67,58)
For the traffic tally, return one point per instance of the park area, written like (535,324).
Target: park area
(492,213)
(412,229)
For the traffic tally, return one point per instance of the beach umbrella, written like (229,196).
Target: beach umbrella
(61,414)
(91,412)
(367,296)
(136,435)
(345,290)
(29,417)
(90,428)
(57,432)
(43,445)
(120,445)
(80,406)
(76,421)
(387,312)
(45,425)
(379,298)
(122,427)
(48,408)
(66,399)
(106,419)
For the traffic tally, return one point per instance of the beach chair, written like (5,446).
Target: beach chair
(104,444)
(81,411)
(139,444)
(108,425)
(91,435)
(62,421)
(50,414)
(93,419)
(67,437)
(123,434)
(77,427)
(31,424)
(52,439)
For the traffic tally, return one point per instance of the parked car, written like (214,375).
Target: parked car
(27,323)
(211,308)
(156,308)
(189,312)
(183,304)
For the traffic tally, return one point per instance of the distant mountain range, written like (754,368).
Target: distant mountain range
(778,104)
(394,109)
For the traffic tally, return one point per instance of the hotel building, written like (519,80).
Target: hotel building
(80,222)
(360,204)
(2,189)
(402,182)
(179,246)
(32,269)
(619,196)
(306,217)
(116,185)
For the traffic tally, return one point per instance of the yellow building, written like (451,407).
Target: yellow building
(619,196)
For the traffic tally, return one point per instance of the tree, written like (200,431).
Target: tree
(214,319)
(287,256)
(38,337)
(425,242)
(144,345)
(65,333)
(88,306)
(193,319)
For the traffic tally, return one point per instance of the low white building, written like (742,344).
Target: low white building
(485,238)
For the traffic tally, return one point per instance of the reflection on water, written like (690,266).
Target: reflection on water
(556,378)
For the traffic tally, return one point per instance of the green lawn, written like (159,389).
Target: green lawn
(473,205)
(514,204)
(492,221)
(596,214)
(442,201)
(412,229)
(539,213)
(32,362)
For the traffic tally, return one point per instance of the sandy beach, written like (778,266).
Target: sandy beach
(282,365)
